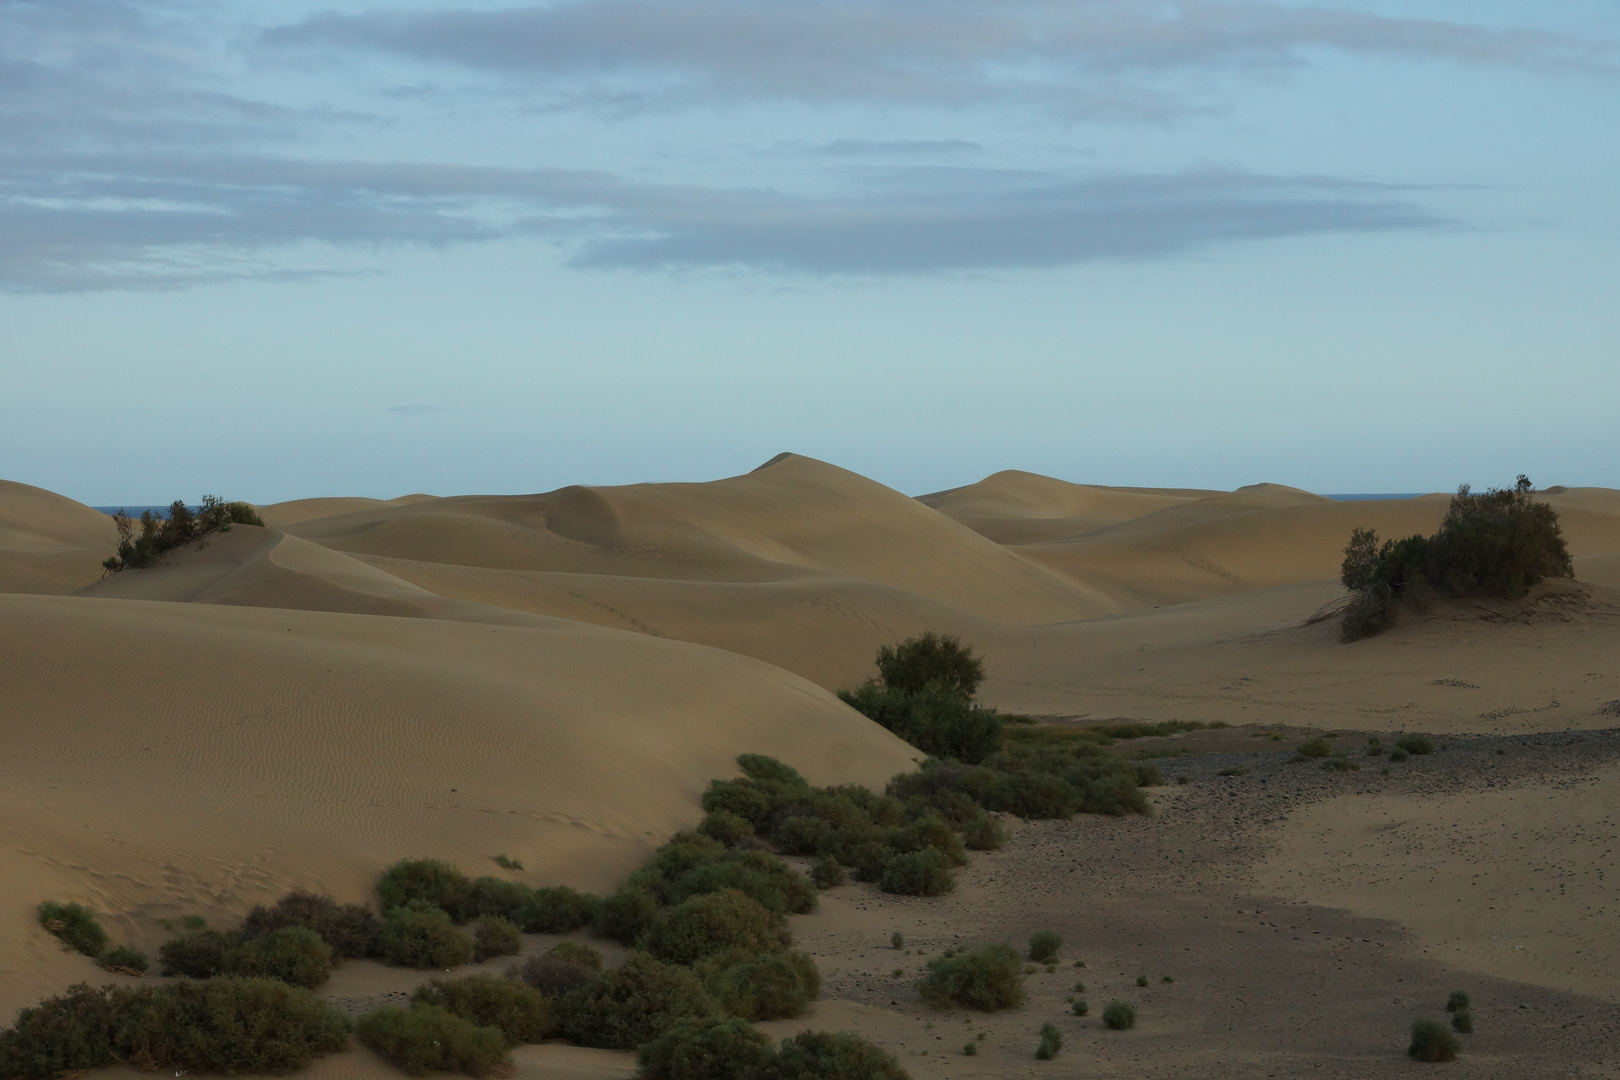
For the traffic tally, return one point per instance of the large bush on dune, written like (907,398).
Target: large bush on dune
(182,525)
(1497,544)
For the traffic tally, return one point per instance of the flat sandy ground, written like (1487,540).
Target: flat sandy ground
(557,676)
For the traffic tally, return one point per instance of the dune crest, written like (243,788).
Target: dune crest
(49,543)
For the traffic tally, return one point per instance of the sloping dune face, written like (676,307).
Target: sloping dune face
(1015,507)
(280,515)
(162,759)
(50,544)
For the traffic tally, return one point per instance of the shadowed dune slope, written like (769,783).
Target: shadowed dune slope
(161,759)
(49,543)
(792,518)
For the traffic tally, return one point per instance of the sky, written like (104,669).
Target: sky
(280,250)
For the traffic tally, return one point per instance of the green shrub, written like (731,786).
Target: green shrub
(419,935)
(74,925)
(1120,1015)
(294,954)
(1315,748)
(768,986)
(930,659)
(430,881)
(1457,1000)
(826,872)
(1416,744)
(626,914)
(352,930)
(566,966)
(1080,1008)
(704,1050)
(124,958)
(1338,763)
(766,878)
(1432,1042)
(559,910)
(430,1039)
(1044,946)
(897,940)
(1141,980)
(495,936)
(200,954)
(825,1055)
(988,978)
(520,1013)
(229,1025)
(918,873)
(726,827)
(509,900)
(1462,1022)
(1051,1042)
(506,862)
(1398,755)
(67,1033)
(984,833)
(713,923)
(741,798)
(938,720)
(634,1003)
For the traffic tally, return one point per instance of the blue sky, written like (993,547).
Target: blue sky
(285,249)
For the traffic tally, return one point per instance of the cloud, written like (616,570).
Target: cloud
(905,51)
(89,222)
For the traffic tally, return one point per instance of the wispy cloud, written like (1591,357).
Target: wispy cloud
(1070,51)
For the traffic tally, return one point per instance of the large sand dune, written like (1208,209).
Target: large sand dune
(50,544)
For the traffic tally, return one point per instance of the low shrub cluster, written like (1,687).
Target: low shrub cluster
(1119,1016)
(988,978)
(294,955)
(351,930)
(183,525)
(227,1025)
(75,926)
(731,1050)
(419,935)
(1051,1042)
(519,1012)
(550,910)
(1496,544)
(1044,946)
(429,1038)
(1432,1042)
(634,1003)
(567,966)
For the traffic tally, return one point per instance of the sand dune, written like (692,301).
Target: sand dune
(160,759)
(1015,507)
(50,544)
(280,515)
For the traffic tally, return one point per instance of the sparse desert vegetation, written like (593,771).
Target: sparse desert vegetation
(159,535)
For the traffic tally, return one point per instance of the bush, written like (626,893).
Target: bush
(1457,1000)
(1044,946)
(1120,1015)
(714,923)
(701,1050)
(566,966)
(74,926)
(495,936)
(67,1033)
(1079,1008)
(1415,744)
(770,986)
(826,873)
(1462,1022)
(632,1004)
(200,954)
(937,720)
(1398,755)
(520,1013)
(159,535)
(984,833)
(352,930)
(930,658)
(1315,748)
(510,900)
(1496,544)
(725,827)
(917,873)
(559,910)
(430,1039)
(1051,1042)
(825,1055)
(766,878)
(294,954)
(429,881)
(124,958)
(626,914)
(1432,1042)
(988,978)
(419,935)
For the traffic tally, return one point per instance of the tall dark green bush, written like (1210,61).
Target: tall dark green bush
(431,881)
(633,1003)
(428,1038)
(930,658)
(765,986)
(1432,1042)
(825,1055)
(988,978)
(419,935)
(74,925)
(294,954)
(519,1012)
(159,535)
(937,720)
(706,1050)
(352,930)
(714,923)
